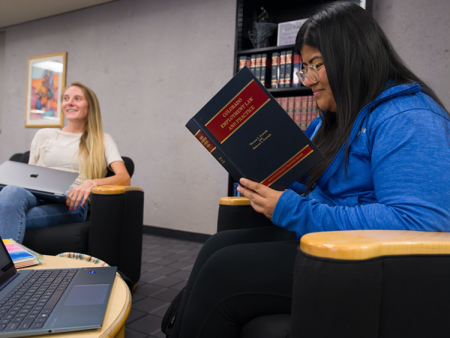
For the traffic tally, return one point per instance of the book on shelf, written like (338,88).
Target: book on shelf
(242,62)
(21,255)
(275,70)
(288,71)
(296,66)
(253,63)
(297,109)
(265,70)
(311,110)
(304,112)
(258,66)
(282,69)
(317,113)
(251,135)
(284,103)
(290,106)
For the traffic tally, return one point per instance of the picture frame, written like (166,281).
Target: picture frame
(287,32)
(46,77)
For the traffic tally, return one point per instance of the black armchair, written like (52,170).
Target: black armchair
(365,283)
(112,232)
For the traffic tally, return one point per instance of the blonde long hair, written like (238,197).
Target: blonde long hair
(91,154)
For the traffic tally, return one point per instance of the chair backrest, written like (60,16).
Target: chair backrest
(24,158)
(16,157)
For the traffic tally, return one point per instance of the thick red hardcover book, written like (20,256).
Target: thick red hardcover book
(304,112)
(251,135)
(297,109)
(284,104)
(290,106)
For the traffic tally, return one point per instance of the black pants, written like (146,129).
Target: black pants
(238,275)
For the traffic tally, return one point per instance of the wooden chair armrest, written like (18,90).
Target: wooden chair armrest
(234,201)
(114,189)
(366,244)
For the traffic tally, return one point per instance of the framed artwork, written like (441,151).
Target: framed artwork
(46,77)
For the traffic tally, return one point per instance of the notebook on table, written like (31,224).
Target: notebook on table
(45,183)
(37,302)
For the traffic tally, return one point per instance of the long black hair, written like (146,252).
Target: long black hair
(359,60)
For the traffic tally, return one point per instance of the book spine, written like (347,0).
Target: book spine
(249,62)
(303,112)
(284,103)
(297,109)
(290,107)
(258,67)
(242,62)
(275,69)
(310,111)
(282,69)
(210,144)
(265,70)
(288,72)
(317,110)
(253,64)
(296,68)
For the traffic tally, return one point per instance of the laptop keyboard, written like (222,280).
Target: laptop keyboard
(31,302)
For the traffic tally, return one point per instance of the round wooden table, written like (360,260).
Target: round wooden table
(118,308)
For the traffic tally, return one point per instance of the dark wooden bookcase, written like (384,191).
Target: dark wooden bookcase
(279,11)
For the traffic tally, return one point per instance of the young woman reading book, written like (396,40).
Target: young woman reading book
(80,147)
(385,135)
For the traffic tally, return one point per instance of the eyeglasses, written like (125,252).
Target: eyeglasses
(310,72)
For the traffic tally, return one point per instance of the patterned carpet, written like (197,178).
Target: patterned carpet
(166,265)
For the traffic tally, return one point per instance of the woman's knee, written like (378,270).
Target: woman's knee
(246,264)
(14,196)
(12,190)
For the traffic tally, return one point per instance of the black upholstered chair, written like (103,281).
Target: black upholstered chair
(365,283)
(112,231)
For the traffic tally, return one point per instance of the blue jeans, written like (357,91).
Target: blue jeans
(20,210)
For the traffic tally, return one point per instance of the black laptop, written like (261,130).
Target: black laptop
(37,302)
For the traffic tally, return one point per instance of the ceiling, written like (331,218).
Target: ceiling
(13,12)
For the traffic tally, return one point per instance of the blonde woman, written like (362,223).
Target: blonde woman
(80,147)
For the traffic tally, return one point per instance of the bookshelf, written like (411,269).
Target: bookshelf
(279,11)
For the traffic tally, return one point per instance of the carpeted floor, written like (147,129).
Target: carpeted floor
(166,265)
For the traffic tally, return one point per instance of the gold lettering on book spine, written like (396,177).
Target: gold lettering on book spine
(205,142)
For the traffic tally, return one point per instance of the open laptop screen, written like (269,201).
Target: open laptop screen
(7,268)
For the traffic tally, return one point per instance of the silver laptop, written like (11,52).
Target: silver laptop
(37,302)
(45,183)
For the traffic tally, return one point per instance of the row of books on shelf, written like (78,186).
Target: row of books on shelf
(275,70)
(302,109)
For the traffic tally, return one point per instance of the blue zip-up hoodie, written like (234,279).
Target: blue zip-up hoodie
(398,172)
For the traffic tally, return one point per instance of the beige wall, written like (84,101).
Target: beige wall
(155,63)
(419,31)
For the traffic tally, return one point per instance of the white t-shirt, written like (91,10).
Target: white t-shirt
(57,149)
